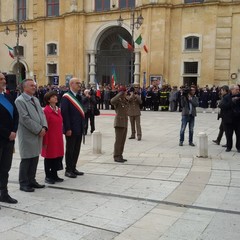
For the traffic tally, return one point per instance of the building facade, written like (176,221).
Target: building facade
(188,41)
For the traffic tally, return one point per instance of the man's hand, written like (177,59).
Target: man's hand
(69,133)
(12,136)
(42,133)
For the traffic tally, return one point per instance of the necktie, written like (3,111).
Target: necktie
(34,104)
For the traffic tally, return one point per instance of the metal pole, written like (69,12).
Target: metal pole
(17,48)
(132,53)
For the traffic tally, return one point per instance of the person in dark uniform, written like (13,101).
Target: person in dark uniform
(134,113)
(120,104)
(8,129)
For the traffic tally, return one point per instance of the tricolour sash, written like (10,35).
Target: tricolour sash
(75,103)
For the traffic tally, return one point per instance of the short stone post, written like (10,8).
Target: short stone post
(202,145)
(97,142)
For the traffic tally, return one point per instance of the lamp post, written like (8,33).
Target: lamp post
(135,22)
(20,30)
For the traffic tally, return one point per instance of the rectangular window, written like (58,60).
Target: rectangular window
(193,1)
(52,49)
(102,5)
(192,43)
(52,8)
(126,4)
(21,10)
(190,67)
(52,69)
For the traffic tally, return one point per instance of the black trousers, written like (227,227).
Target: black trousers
(73,145)
(27,171)
(6,153)
(229,130)
(51,166)
(89,117)
(220,133)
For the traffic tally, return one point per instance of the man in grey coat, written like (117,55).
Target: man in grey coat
(32,127)
(189,103)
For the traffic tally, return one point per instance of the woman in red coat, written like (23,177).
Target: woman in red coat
(52,149)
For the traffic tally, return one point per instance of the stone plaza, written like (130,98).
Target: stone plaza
(164,191)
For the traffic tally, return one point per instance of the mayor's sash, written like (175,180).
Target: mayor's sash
(75,103)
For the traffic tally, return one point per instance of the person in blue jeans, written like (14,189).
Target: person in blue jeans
(189,103)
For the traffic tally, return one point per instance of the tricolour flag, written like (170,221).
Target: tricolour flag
(139,41)
(114,78)
(98,93)
(10,51)
(125,44)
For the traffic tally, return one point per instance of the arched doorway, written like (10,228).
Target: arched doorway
(22,71)
(111,56)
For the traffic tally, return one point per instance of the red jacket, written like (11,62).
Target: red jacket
(53,140)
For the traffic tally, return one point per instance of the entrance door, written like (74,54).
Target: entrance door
(111,56)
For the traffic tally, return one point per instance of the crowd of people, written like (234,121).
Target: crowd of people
(153,97)
(42,117)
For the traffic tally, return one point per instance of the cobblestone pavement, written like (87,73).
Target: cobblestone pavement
(163,191)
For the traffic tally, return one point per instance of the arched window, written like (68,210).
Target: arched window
(192,43)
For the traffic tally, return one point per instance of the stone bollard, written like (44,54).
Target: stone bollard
(97,142)
(202,145)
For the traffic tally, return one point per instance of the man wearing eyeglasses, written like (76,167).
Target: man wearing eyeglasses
(8,128)
(73,126)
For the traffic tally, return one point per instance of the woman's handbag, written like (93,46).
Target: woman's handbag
(96,111)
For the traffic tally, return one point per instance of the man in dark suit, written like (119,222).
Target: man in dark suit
(230,109)
(8,129)
(73,126)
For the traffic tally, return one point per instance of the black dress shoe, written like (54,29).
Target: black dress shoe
(192,144)
(70,175)
(49,180)
(119,160)
(131,137)
(139,138)
(216,141)
(180,144)
(58,179)
(27,189)
(225,145)
(228,150)
(37,185)
(125,160)
(76,172)
(8,199)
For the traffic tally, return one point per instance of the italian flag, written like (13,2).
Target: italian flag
(98,93)
(10,51)
(114,78)
(139,41)
(125,44)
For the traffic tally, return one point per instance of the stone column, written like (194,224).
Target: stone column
(137,68)
(92,65)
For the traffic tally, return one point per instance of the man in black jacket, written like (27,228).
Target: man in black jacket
(230,109)
(8,129)
(73,126)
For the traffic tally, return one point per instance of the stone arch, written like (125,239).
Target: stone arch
(107,34)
